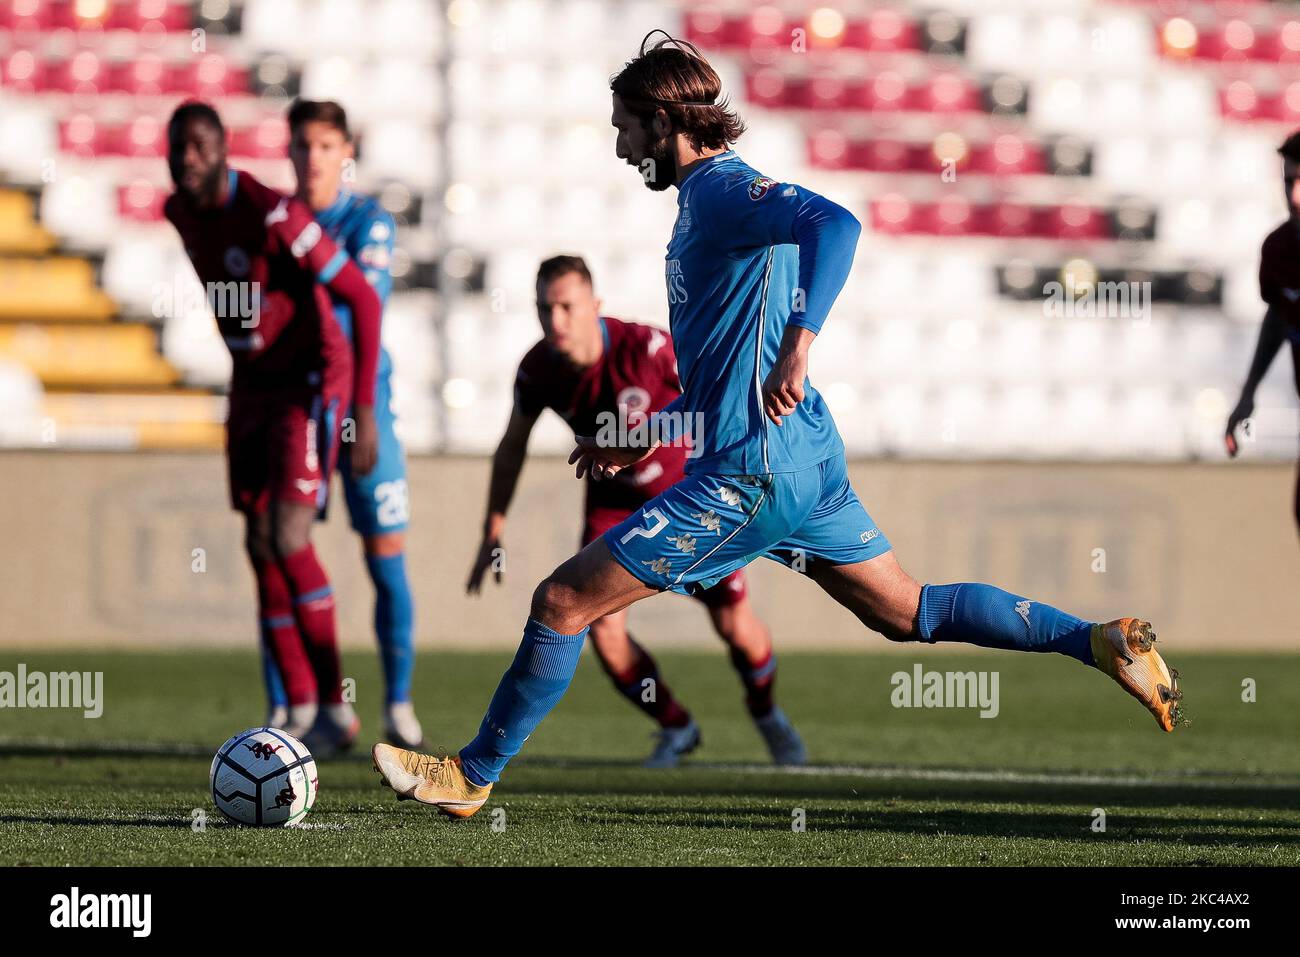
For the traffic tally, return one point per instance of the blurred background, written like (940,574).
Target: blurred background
(990,148)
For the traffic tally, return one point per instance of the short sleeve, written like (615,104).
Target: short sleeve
(745,213)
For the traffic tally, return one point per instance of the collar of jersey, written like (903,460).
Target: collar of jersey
(336,208)
(713,161)
(232,184)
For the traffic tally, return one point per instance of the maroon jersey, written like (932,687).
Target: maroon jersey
(636,373)
(260,257)
(1279,283)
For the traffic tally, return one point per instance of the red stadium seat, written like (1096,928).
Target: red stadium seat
(1075,221)
(145,75)
(150,16)
(82,136)
(83,72)
(141,201)
(24,72)
(892,213)
(269,139)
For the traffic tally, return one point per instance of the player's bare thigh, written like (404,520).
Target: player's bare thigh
(883,596)
(587,586)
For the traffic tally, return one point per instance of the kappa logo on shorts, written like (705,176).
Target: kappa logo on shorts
(1022,609)
(307,486)
(685,542)
(660,566)
(868,535)
(711,521)
(728,495)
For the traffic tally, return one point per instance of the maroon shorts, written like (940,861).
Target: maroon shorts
(730,591)
(281,447)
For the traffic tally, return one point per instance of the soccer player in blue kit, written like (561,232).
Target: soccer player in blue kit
(753,266)
(321,149)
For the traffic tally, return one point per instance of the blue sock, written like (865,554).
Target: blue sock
(394,619)
(275,694)
(533,685)
(992,618)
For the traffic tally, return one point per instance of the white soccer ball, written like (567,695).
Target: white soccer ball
(264,777)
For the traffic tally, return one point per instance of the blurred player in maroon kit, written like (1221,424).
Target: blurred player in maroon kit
(1279,287)
(588,365)
(265,264)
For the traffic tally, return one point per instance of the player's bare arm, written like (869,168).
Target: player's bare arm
(1271,337)
(783,387)
(507,464)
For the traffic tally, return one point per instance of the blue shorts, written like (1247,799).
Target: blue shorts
(380,501)
(706,526)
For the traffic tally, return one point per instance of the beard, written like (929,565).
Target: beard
(662,172)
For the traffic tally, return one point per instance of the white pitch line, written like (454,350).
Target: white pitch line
(1222,781)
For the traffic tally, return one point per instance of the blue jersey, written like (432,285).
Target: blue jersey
(365,230)
(749,256)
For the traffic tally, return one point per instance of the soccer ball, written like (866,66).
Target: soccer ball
(264,777)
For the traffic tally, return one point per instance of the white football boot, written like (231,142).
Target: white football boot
(402,727)
(334,732)
(299,720)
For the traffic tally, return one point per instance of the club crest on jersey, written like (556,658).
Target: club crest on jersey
(760,187)
(634,399)
(236,261)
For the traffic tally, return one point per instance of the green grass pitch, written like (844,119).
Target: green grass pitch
(889,786)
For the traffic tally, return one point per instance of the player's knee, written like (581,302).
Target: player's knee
(289,539)
(385,544)
(559,607)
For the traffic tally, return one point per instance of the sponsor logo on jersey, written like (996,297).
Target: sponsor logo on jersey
(379,230)
(760,187)
(676,282)
(683,219)
(376,256)
(311,460)
(643,475)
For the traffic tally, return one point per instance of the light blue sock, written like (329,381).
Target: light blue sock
(992,618)
(275,693)
(394,621)
(533,685)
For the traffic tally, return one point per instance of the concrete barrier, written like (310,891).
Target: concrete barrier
(134,549)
